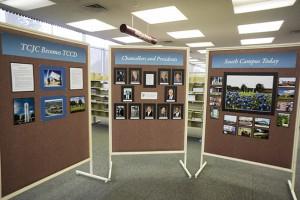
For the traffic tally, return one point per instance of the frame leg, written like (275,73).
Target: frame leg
(78,172)
(200,170)
(185,169)
(109,172)
(292,190)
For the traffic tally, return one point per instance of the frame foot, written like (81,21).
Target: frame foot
(92,176)
(292,190)
(185,169)
(200,170)
(109,172)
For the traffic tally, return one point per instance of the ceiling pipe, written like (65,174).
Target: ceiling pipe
(136,33)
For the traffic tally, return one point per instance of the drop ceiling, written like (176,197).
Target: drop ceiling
(214,18)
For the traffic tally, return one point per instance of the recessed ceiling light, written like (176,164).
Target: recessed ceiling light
(186,34)
(193,59)
(202,51)
(28,5)
(257,41)
(260,27)
(200,44)
(242,6)
(160,15)
(128,39)
(91,25)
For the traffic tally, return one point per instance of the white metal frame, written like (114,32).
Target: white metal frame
(9,196)
(291,182)
(183,162)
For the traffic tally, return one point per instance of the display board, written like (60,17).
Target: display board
(252,100)
(148,99)
(44,120)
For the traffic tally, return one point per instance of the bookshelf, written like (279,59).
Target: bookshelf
(196,104)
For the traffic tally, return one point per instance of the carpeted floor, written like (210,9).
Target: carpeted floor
(160,177)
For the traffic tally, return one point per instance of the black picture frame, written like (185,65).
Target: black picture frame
(168,94)
(273,92)
(118,77)
(124,97)
(160,115)
(145,79)
(174,115)
(161,80)
(120,116)
(174,73)
(138,80)
(131,111)
(153,111)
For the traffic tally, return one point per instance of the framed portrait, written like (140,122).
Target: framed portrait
(149,111)
(135,76)
(120,111)
(53,107)
(52,78)
(77,104)
(120,76)
(24,110)
(163,111)
(170,93)
(164,76)
(177,111)
(127,93)
(149,79)
(134,111)
(178,77)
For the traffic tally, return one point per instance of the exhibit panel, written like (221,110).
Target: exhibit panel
(148,99)
(44,107)
(252,107)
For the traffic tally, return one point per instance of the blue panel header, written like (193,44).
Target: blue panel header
(143,57)
(16,45)
(257,60)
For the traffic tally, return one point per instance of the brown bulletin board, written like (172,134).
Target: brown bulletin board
(277,150)
(33,151)
(147,135)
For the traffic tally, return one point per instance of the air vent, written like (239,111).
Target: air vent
(95,6)
(295,31)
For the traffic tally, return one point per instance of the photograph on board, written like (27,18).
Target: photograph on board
(149,79)
(54,107)
(164,76)
(244,131)
(149,111)
(177,111)
(216,80)
(245,121)
(24,111)
(262,122)
(285,106)
(120,76)
(77,104)
(134,111)
(178,76)
(163,111)
(228,129)
(52,77)
(120,111)
(215,101)
(286,94)
(283,120)
(135,76)
(251,93)
(261,133)
(127,93)
(170,93)
(230,119)
(216,90)
(289,82)
(214,112)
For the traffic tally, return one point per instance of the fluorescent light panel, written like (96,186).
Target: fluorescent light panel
(186,34)
(28,4)
(91,25)
(200,44)
(260,27)
(257,41)
(160,15)
(245,6)
(202,51)
(193,59)
(128,39)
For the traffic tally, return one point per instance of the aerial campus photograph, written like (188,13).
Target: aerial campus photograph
(249,93)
